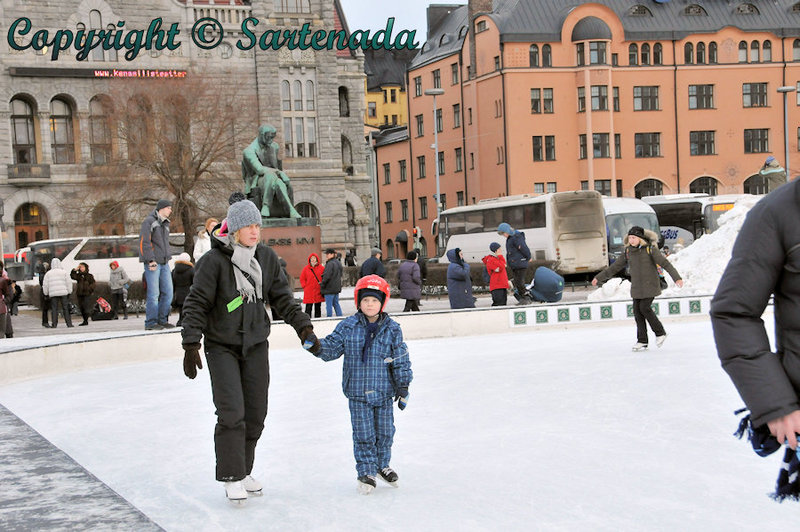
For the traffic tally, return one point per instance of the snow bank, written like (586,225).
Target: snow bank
(701,264)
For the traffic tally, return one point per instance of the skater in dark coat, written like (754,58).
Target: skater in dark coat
(409,280)
(182,277)
(643,257)
(373,265)
(226,308)
(459,283)
(518,256)
(84,290)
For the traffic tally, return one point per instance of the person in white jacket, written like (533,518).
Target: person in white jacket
(203,243)
(57,285)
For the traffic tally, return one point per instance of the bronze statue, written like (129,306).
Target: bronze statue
(265,184)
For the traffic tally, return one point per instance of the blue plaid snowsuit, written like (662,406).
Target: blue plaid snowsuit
(369,386)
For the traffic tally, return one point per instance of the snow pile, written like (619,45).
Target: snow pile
(701,265)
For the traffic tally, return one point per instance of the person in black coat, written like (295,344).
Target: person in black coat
(182,277)
(84,290)
(226,308)
(373,265)
(331,283)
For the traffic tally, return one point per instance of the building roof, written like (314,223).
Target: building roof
(387,67)
(447,39)
(390,135)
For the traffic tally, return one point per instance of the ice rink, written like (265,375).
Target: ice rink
(549,429)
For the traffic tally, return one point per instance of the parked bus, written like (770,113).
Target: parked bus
(686,217)
(621,215)
(567,228)
(96,251)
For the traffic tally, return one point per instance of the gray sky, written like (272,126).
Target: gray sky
(372,15)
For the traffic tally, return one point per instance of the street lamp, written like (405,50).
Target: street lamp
(435,93)
(785,89)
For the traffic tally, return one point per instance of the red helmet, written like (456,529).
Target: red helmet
(373,282)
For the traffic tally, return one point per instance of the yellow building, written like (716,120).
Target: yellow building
(385,87)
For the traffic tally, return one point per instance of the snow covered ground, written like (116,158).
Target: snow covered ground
(552,429)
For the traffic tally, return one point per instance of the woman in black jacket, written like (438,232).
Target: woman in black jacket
(84,290)
(226,306)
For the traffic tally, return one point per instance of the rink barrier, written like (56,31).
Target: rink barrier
(51,358)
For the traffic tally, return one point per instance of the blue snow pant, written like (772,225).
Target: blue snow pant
(373,433)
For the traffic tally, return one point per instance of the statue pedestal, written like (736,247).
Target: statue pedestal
(294,239)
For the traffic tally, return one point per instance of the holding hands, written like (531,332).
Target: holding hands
(310,340)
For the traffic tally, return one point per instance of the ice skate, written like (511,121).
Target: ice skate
(388,475)
(236,493)
(252,486)
(366,483)
(639,346)
(660,340)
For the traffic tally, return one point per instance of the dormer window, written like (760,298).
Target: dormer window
(639,11)
(746,9)
(695,10)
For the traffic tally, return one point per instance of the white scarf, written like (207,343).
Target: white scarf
(244,262)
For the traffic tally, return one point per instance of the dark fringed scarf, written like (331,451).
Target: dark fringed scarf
(764,444)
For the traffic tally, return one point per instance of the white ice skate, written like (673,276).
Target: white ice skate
(660,340)
(639,346)
(366,483)
(236,493)
(252,486)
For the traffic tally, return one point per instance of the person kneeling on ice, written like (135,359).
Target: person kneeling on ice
(643,257)
(376,369)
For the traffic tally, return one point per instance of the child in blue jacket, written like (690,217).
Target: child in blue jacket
(376,371)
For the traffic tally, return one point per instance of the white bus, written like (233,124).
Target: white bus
(621,215)
(96,251)
(566,228)
(686,217)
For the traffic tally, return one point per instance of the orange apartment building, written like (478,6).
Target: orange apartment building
(631,98)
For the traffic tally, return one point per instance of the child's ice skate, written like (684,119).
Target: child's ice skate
(639,346)
(366,483)
(252,486)
(236,493)
(388,475)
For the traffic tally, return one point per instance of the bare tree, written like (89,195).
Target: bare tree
(180,139)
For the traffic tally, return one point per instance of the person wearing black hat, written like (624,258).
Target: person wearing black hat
(331,283)
(643,258)
(155,254)
(373,265)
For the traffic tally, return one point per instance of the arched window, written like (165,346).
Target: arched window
(62,141)
(347,156)
(297,88)
(96,23)
(645,54)
(648,187)
(712,53)
(755,48)
(344,104)
(286,96)
(138,128)
(533,55)
(112,53)
(23,137)
(658,54)
(633,54)
(30,224)
(701,53)
(310,106)
(766,51)
(688,53)
(705,185)
(796,50)
(756,184)
(100,114)
(108,218)
(743,52)
(547,56)
(351,223)
(389,249)
(307,210)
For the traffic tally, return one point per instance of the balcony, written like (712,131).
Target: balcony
(29,175)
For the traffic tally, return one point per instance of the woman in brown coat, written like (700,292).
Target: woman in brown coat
(643,258)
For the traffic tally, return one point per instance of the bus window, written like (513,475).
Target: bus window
(534,215)
(492,218)
(514,216)
(712,214)
(456,224)
(474,222)
(578,216)
(684,215)
(95,249)
(127,247)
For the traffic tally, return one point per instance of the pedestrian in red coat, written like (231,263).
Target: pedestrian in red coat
(310,278)
(495,264)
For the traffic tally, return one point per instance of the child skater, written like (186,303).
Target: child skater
(376,369)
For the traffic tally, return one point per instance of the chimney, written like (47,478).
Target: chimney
(476,7)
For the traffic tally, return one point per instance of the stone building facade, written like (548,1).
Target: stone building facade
(49,148)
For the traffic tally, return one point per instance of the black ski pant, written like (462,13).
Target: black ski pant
(63,301)
(643,314)
(412,305)
(518,278)
(499,297)
(85,304)
(317,309)
(239,384)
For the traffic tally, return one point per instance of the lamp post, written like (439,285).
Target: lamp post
(786,89)
(435,93)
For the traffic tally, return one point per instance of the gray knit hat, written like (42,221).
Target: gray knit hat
(241,214)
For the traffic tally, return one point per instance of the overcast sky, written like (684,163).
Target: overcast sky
(372,15)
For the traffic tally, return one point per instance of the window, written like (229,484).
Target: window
(443,202)
(394,120)
(547,100)
(755,49)
(581,99)
(388,206)
(480,26)
(743,52)
(648,187)
(439,121)
(599,98)
(615,98)
(766,52)
(403,210)
(701,143)
(550,148)
(538,188)
(139,130)
(437,79)
(311,136)
(386,119)
(418,86)
(796,50)
(645,54)
(603,186)
(62,145)
(23,138)
(600,146)
(647,144)
(538,149)
(469,115)
(597,53)
(547,56)
(712,53)
(387,178)
(421,167)
(310,95)
(460,198)
(454,73)
(402,170)
(420,125)
(633,54)
(100,130)
(440,162)
(457,116)
(286,96)
(541,101)
(96,23)
(471,161)
(701,96)
(497,62)
(754,95)
(701,53)
(617,146)
(579,52)
(658,54)
(372,109)
(344,102)
(582,146)
(756,140)
(459,161)
(645,98)
(551,187)
(423,208)
(688,53)
(292,6)
(297,94)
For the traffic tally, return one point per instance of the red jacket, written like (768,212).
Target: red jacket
(309,280)
(497,279)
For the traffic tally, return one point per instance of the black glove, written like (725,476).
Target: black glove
(309,340)
(402,398)
(191,360)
